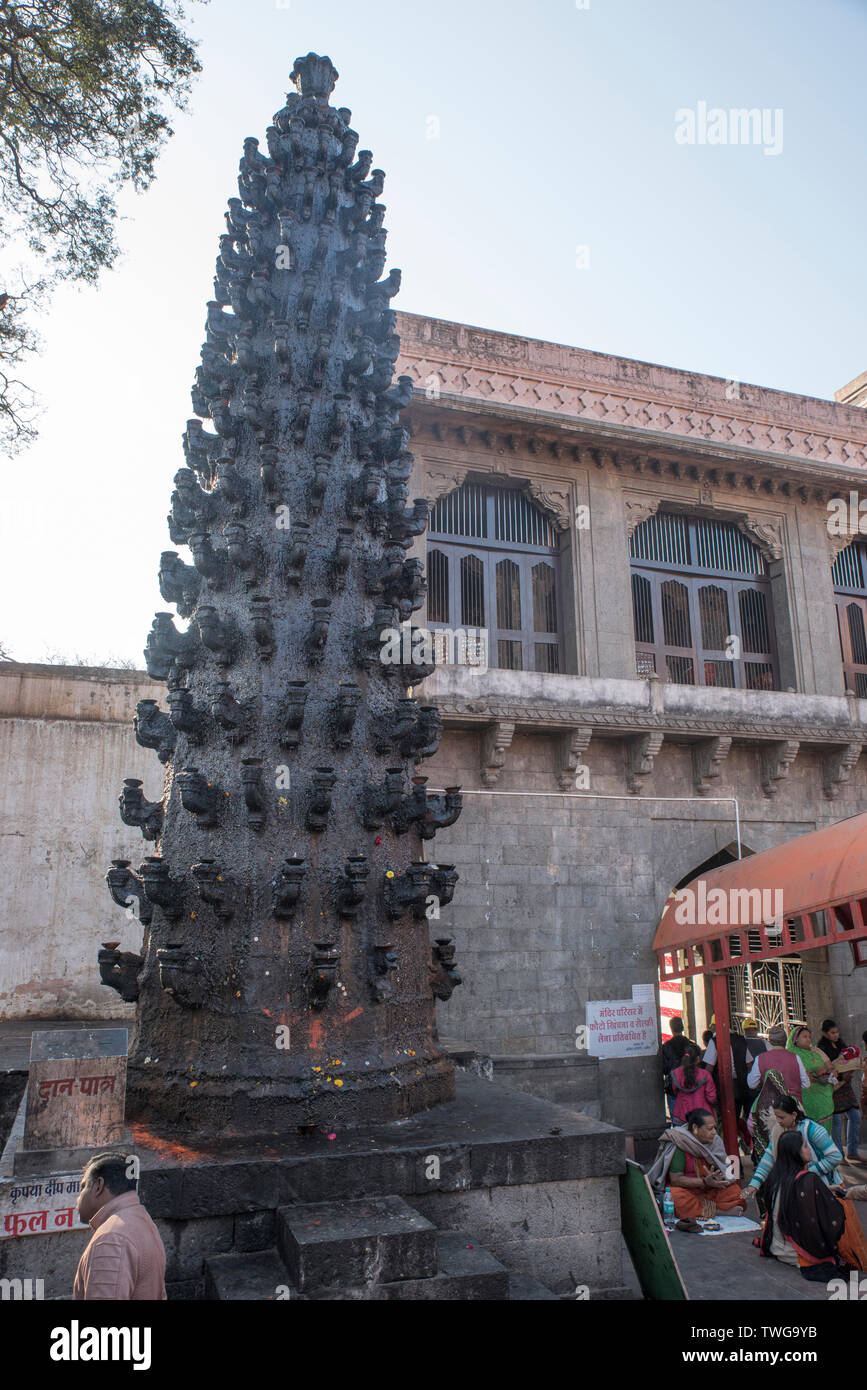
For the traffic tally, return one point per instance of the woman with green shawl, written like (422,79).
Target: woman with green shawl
(818,1101)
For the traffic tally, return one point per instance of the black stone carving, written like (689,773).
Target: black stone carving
(319,804)
(125,888)
(136,811)
(154,729)
(380,801)
(254,796)
(293,713)
(215,887)
(231,717)
(182,976)
(383,964)
(427,813)
(184,715)
(294,503)
(120,970)
(408,892)
(286,889)
(199,796)
(325,965)
(179,583)
(345,713)
(444,977)
(161,889)
(354,886)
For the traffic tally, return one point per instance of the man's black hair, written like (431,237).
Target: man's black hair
(676,1025)
(112,1168)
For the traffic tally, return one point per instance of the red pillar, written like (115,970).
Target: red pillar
(724,1062)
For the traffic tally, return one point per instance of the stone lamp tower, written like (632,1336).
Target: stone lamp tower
(287,979)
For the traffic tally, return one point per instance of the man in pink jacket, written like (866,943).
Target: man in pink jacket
(125,1258)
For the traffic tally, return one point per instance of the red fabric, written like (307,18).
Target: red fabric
(702,1098)
(786,1063)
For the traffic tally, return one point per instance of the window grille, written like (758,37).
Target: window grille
(701,604)
(493,563)
(851,598)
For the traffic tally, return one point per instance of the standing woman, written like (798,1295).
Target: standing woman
(692,1086)
(804,1221)
(818,1101)
(846,1060)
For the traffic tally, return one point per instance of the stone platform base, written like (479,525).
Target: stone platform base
(531,1184)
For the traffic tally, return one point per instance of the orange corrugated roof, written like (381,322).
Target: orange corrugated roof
(813,871)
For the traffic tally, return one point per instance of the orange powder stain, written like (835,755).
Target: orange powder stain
(317,1033)
(356,1013)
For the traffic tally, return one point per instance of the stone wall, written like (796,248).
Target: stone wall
(66,744)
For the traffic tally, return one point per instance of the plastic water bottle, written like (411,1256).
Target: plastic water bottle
(667,1204)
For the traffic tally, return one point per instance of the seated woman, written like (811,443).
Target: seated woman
(698,1170)
(692,1086)
(822,1160)
(804,1221)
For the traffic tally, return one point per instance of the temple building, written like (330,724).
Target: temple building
(653,661)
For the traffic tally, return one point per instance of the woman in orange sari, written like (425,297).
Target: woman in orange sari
(698,1177)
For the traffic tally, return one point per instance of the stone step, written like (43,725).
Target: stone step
(257,1277)
(466,1273)
(523,1288)
(378,1240)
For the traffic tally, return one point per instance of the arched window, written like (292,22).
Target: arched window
(701,604)
(850,589)
(493,564)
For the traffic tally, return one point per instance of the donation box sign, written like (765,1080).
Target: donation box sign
(76,1088)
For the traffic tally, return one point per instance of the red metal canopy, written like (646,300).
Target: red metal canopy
(808,892)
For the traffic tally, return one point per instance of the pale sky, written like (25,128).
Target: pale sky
(556,132)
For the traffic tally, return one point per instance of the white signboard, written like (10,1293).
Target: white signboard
(622,1028)
(40,1206)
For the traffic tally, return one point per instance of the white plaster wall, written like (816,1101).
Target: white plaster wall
(60,829)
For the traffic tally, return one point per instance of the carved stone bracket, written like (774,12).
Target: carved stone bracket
(496,741)
(554,500)
(439,482)
(707,763)
(768,535)
(837,767)
(640,755)
(776,761)
(837,544)
(638,511)
(571,748)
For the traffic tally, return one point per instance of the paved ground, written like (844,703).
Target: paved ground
(729,1267)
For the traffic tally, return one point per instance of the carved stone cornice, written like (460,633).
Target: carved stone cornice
(777,759)
(597,389)
(496,742)
(607,723)
(708,758)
